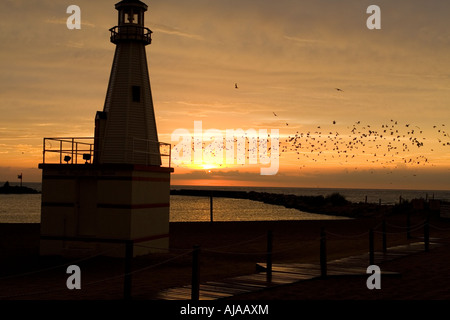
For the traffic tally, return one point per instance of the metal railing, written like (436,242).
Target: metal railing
(80,150)
(152,151)
(131,32)
(69,150)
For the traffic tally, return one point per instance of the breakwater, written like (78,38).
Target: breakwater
(333,204)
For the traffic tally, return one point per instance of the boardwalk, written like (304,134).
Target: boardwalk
(283,274)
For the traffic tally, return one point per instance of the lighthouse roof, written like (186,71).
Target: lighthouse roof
(134,3)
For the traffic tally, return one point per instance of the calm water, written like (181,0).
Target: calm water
(26,209)
(18,208)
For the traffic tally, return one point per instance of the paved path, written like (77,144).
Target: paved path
(283,274)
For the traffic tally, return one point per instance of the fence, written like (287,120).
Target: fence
(68,150)
(80,150)
(196,252)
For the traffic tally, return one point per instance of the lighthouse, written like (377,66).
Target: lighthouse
(126,126)
(102,194)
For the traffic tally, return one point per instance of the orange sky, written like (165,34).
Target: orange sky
(288,58)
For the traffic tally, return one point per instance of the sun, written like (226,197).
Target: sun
(208,168)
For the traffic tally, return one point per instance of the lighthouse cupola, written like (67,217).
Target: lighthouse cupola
(131,22)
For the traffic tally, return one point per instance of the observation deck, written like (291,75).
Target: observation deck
(80,150)
(131,32)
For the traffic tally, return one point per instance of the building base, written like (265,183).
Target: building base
(93,209)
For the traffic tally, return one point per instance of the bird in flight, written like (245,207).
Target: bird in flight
(338,89)
(236,86)
(275,114)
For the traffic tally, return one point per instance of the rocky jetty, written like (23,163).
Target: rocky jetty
(8,189)
(333,204)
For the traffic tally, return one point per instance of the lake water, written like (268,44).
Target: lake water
(26,208)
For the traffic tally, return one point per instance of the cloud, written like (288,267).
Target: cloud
(63,21)
(305,42)
(175,31)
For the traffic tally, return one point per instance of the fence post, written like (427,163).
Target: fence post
(269,256)
(426,234)
(384,236)
(211,215)
(371,248)
(408,225)
(128,267)
(323,253)
(195,288)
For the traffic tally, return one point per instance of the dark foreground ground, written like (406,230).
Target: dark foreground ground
(231,249)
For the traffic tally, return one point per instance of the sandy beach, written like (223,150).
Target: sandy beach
(231,249)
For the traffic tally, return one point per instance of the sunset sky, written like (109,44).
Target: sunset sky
(388,128)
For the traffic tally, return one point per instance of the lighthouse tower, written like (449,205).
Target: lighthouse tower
(104,193)
(127,127)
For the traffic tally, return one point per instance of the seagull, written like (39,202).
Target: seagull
(274,114)
(236,86)
(339,89)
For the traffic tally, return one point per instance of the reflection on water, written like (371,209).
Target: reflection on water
(26,208)
(188,208)
(20,208)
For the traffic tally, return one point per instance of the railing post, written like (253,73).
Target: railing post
(269,256)
(384,236)
(211,214)
(128,267)
(371,248)
(72,151)
(426,234)
(323,253)
(408,225)
(195,287)
(60,152)
(43,153)
(170,156)
(76,152)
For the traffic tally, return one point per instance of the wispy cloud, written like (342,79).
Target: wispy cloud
(175,31)
(305,42)
(63,21)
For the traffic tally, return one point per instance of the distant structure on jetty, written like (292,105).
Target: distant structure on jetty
(113,189)
(8,189)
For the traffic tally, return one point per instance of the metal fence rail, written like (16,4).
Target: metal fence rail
(80,150)
(69,150)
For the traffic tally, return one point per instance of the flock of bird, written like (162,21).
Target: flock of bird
(389,143)
(384,144)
